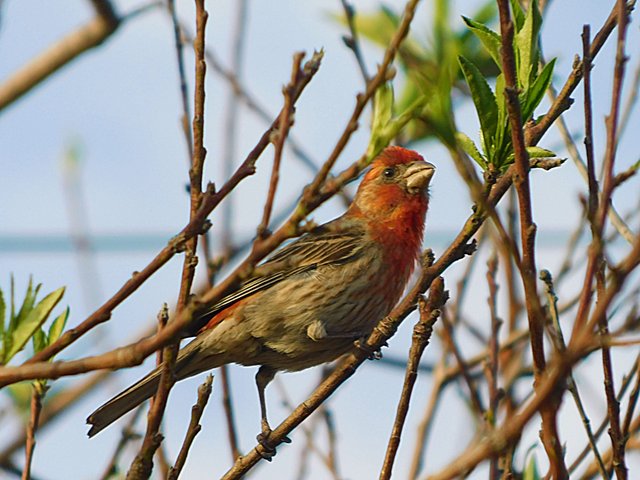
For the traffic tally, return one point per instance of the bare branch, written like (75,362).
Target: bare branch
(429,312)
(204,392)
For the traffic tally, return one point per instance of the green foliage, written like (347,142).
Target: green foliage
(430,67)
(531,471)
(27,324)
(497,149)
(28,321)
(437,70)
(385,126)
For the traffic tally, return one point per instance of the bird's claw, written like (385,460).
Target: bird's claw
(361,344)
(268,450)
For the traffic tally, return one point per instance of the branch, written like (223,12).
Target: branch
(59,54)
(136,353)
(231,120)
(550,436)
(352,41)
(429,312)
(279,138)
(563,101)
(204,392)
(36,407)
(56,404)
(143,463)
(127,435)
(184,89)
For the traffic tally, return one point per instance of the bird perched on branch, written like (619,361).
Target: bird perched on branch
(320,293)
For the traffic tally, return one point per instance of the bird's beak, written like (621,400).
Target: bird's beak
(418,175)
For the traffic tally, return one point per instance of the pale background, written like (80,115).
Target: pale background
(121,103)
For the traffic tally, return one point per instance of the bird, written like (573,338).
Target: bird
(319,294)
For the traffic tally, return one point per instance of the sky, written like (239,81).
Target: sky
(119,106)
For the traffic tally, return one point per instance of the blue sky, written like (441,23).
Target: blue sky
(120,103)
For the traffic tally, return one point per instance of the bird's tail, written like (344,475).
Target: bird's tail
(190,362)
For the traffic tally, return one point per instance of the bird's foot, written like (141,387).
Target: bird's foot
(361,344)
(268,450)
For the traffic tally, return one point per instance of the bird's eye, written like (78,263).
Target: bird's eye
(389,172)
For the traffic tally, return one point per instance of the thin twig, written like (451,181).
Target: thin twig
(184,88)
(633,400)
(597,217)
(204,392)
(592,470)
(563,101)
(127,435)
(253,104)
(206,241)
(426,423)
(625,384)
(231,120)
(143,463)
(57,404)
(429,312)
(56,56)
(37,394)
(311,445)
(549,433)
(630,103)
(227,404)
(614,217)
(352,41)
(135,354)
(560,346)
(492,366)
(279,138)
(474,394)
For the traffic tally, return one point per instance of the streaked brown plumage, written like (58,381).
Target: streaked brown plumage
(325,290)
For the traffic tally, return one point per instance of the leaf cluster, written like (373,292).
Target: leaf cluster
(496,150)
(26,323)
(430,69)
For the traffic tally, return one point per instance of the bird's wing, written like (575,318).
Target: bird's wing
(322,246)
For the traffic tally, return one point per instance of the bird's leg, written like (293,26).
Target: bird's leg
(263,377)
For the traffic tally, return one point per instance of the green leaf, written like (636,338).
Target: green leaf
(531,472)
(3,307)
(470,149)
(490,39)
(502,130)
(379,27)
(536,92)
(538,152)
(526,45)
(382,107)
(534,152)
(33,321)
(382,112)
(27,305)
(13,303)
(56,328)
(20,393)
(486,13)
(39,340)
(441,28)
(484,101)
(518,14)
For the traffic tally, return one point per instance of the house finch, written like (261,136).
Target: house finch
(320,293)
